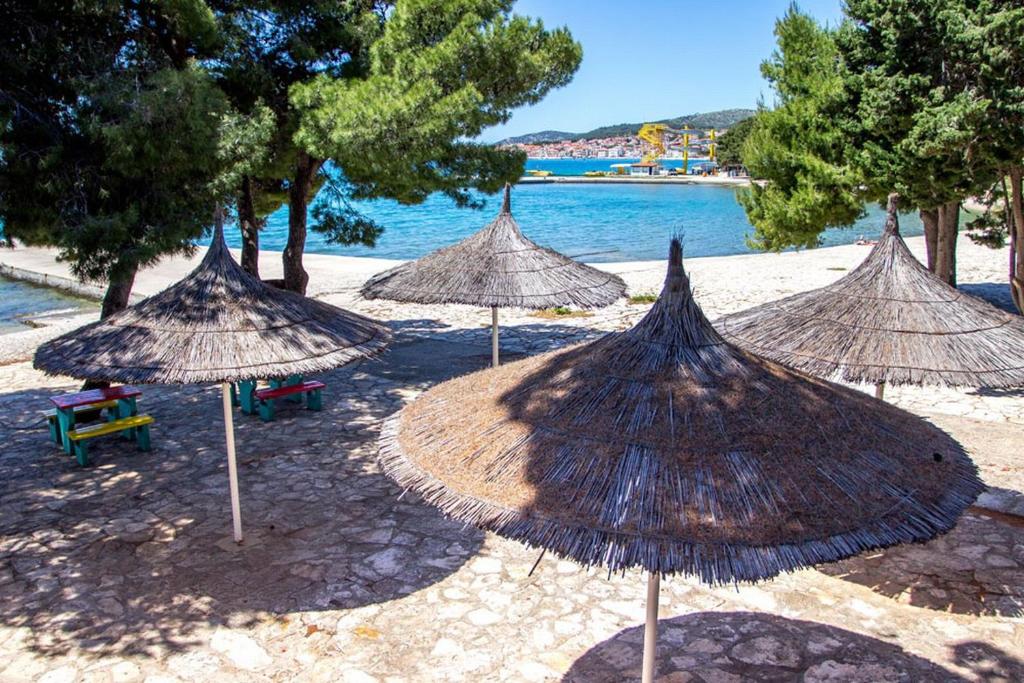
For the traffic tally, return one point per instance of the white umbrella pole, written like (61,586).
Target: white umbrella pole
(229,434)
(651,628)
(879,390)
(494,336)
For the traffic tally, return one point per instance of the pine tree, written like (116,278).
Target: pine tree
(380,99)
(109,135)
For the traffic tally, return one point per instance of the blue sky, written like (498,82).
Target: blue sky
(654,59)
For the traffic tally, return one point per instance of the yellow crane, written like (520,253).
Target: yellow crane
(655,134)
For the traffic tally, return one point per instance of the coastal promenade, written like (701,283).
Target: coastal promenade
(126,571)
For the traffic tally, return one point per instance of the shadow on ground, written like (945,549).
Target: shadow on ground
(996,293)
(977,568)
(425,352)
(133,555)
(749,646)
(998,392)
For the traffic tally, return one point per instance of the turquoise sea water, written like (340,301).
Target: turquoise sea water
(581,166)
(598,223)
(21,299)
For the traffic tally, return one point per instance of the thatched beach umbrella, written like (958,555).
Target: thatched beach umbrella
(889,321)
(497,267)
(218,324)
(665,448)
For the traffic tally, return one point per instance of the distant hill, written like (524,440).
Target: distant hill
(725,118)
(542,136)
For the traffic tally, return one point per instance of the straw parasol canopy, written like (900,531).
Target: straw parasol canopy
(497,267)
(664,447)
(218,324)
(889,321)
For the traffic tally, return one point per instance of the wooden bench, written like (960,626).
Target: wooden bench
(51,417)
(310,389)
(137,427)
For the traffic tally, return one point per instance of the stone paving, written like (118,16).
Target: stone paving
(125,571)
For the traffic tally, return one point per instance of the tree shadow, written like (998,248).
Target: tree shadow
(987,662)
(426,352)
(998,392)
(995,293)
(977,568)
(751,646)
(134,556)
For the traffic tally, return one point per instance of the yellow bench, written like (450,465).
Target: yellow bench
(51,416)
(137,427)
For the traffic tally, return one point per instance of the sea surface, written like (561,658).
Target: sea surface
(597,223)
(21,300)
(581,166)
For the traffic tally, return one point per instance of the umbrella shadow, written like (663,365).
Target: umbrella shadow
(750,646)
(425,352)
(998,392)
(995,293)
(133,555)
(977,568)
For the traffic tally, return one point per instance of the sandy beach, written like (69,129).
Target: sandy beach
(125,570)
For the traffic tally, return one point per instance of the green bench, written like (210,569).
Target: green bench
(137,427)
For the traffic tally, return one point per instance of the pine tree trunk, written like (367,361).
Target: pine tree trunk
(930,218)
(118,294)
(115,299)
(1016,205)
(945,248)
(295,276)
(249,225)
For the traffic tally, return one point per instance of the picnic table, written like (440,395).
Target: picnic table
(293,388)
(244,395)
(120,401)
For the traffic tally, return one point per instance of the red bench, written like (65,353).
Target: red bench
(310,389)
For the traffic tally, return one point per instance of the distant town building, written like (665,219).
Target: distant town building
(643,168)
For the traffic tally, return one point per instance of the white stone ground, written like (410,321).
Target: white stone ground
(125,571)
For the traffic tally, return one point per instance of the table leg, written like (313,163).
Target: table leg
(267,409)
(246,399)
(288,381)
(127,407)
(54,429)
(65,423)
